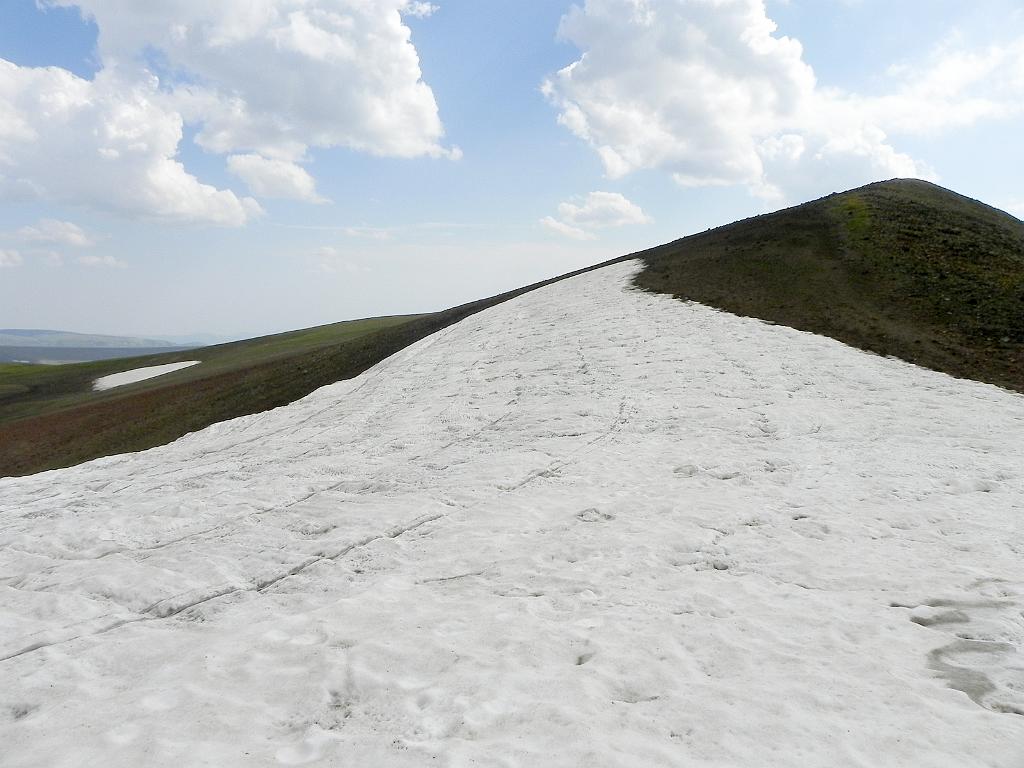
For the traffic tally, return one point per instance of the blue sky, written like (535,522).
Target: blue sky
(263,165)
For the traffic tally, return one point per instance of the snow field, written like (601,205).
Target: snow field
(139,374)
(590,526)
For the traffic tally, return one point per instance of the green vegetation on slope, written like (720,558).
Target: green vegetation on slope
(51,417)
(40,389)
(901,268)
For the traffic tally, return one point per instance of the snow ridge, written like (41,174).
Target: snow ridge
(590,526)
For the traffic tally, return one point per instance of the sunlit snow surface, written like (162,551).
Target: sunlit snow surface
(588,527)
(139,374)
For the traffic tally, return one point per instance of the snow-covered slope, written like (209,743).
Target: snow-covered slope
(139,374)
(588,527)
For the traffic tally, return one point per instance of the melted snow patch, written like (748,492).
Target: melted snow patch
(139,374)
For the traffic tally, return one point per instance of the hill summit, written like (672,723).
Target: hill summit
(903,268)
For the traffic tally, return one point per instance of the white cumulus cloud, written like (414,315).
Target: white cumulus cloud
(267,177)
(56,232)
(110,143)
(420,9)
(598,210)
(602,209)
(278,76)
(708,91)
(691,86)
(262,81)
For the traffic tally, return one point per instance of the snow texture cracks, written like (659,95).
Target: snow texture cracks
(589,526)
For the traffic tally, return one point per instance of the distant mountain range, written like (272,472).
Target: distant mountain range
(34,337)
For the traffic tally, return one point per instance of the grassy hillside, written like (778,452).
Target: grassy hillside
(901,268)
(47,388)
(51,417)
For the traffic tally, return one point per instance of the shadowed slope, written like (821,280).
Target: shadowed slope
(901,268)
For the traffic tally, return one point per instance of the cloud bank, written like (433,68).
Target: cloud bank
(707,91)
(263,82)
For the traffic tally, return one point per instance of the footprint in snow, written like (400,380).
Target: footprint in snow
(986,633)
(593,515)
(583,658)
(686,470)
(21,711)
